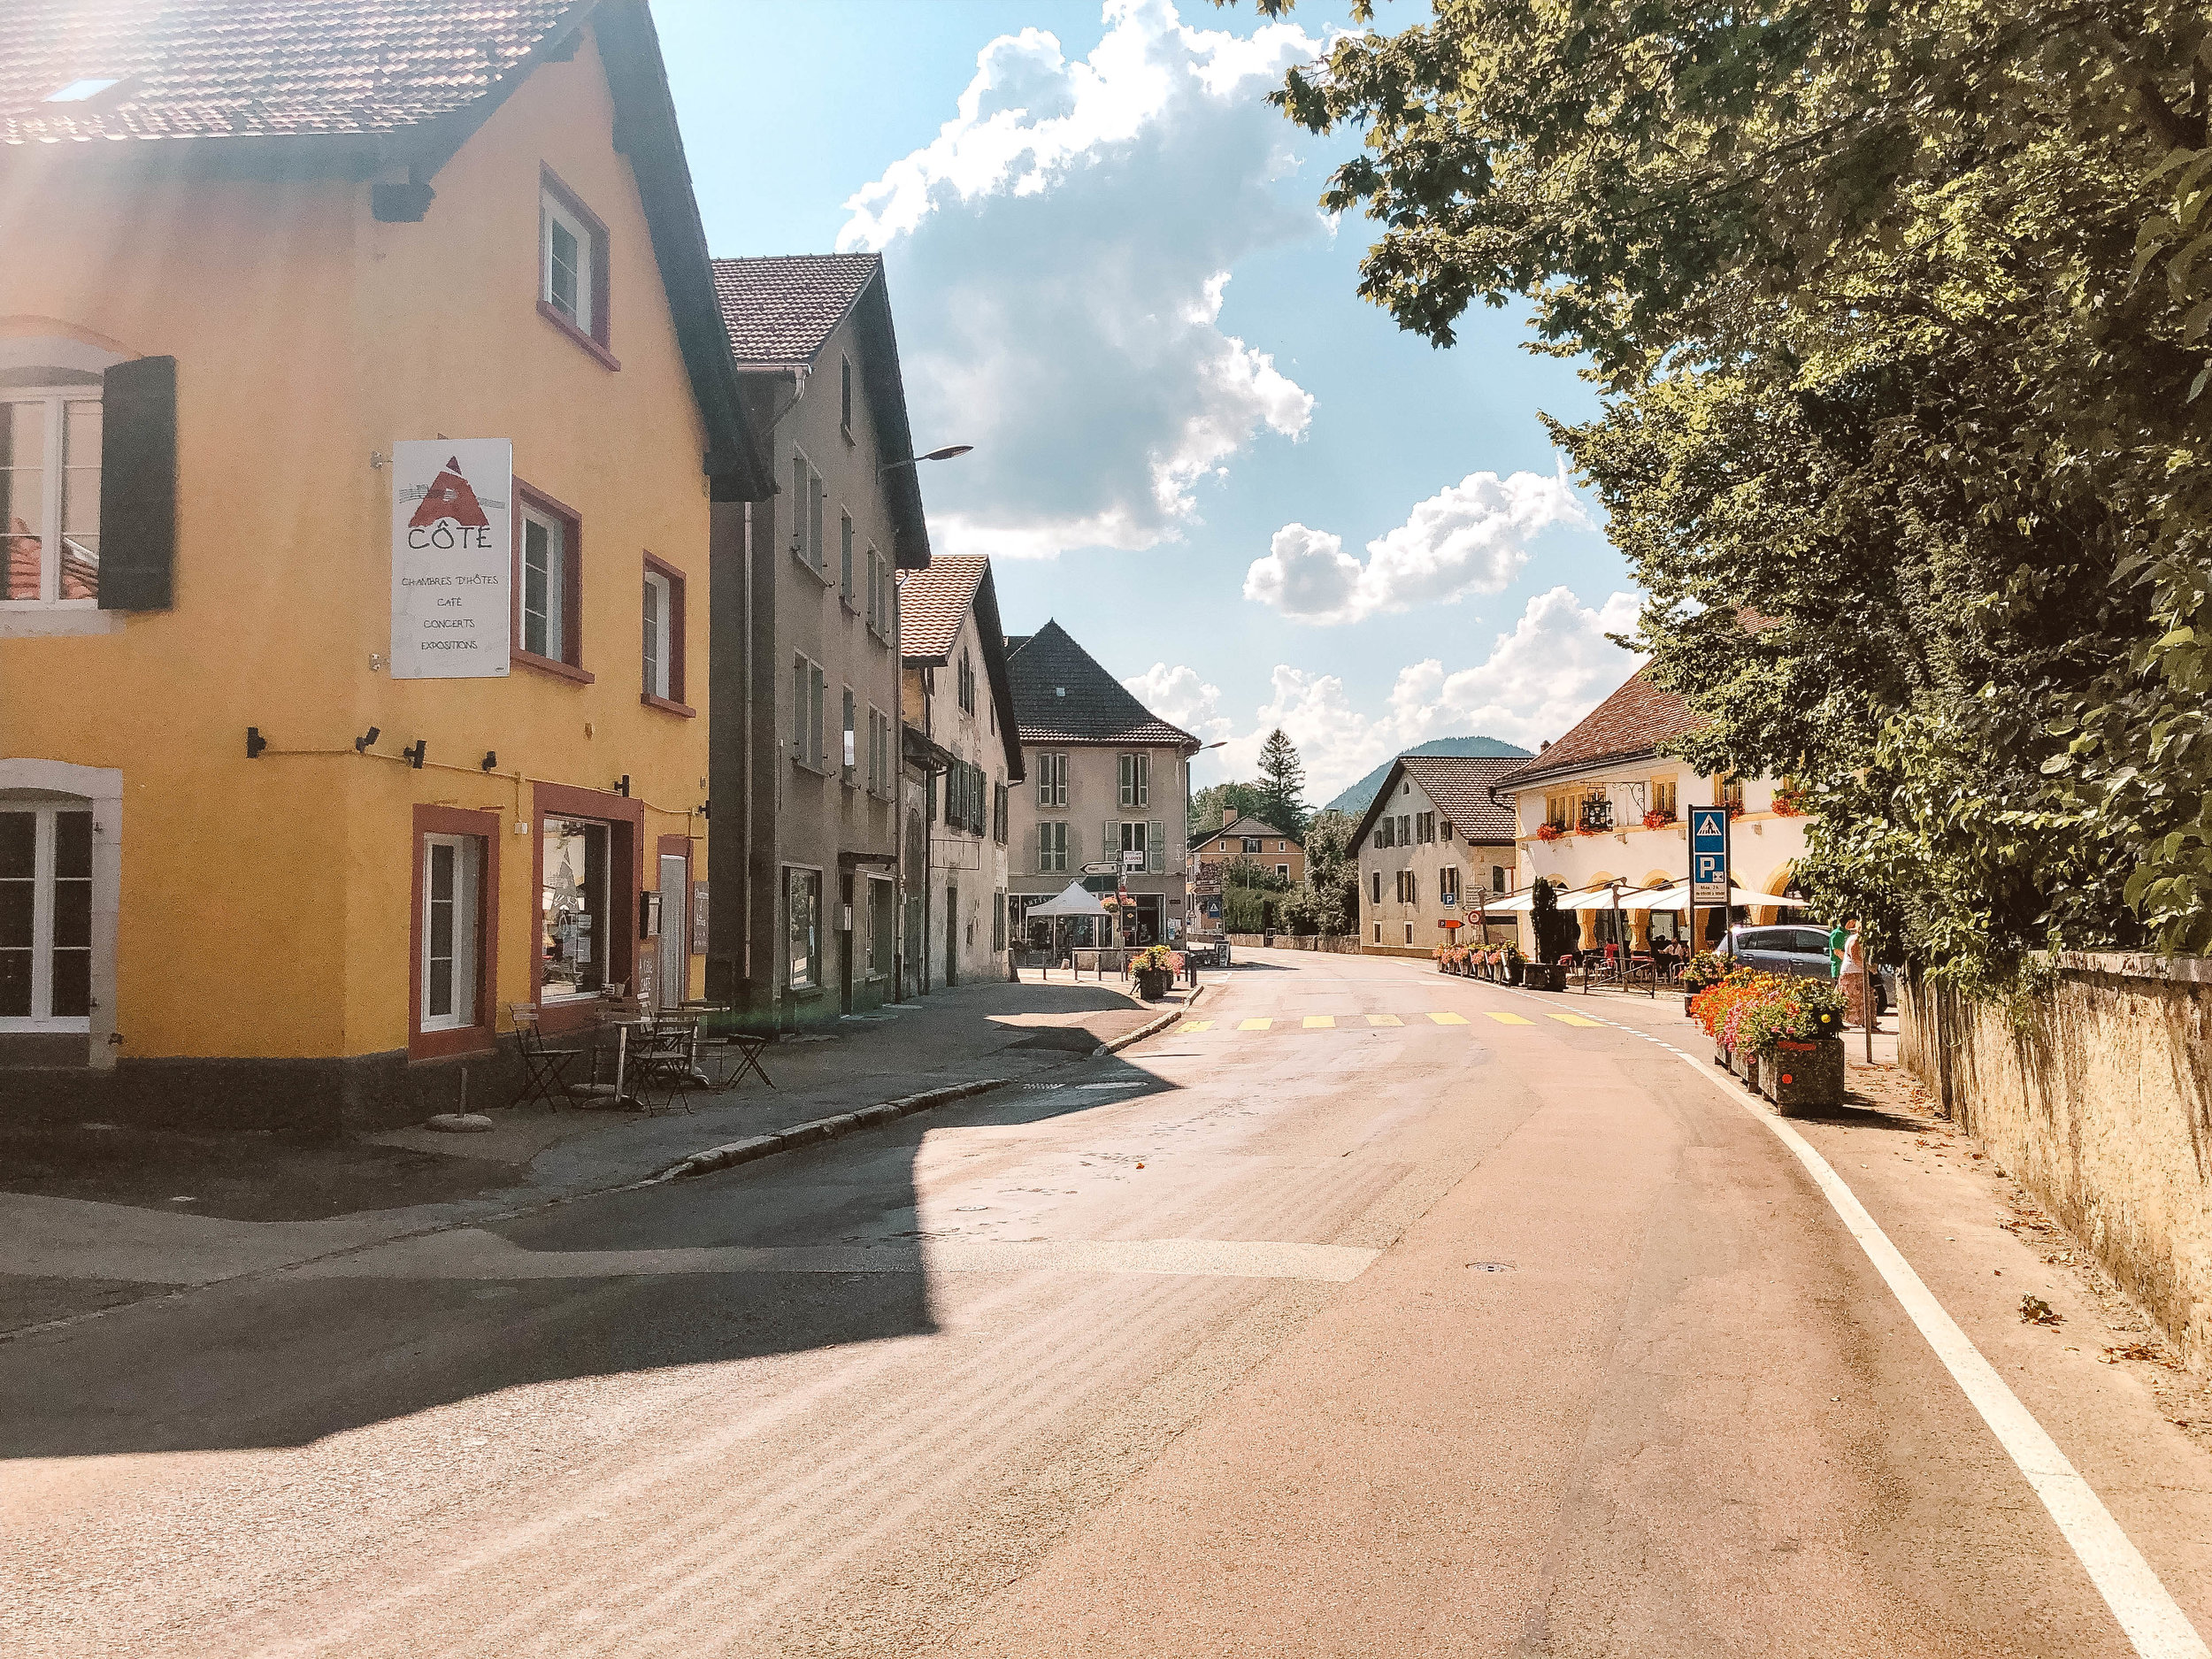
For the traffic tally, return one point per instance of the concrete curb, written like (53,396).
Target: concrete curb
(1151,1028)
(730,1154)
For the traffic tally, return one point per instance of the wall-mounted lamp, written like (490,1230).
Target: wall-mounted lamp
(414,753)
(361,744)
(255,742)
(622,785)
(491,759)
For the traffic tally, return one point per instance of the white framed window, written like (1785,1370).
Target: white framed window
(49,494)
(1134,775)
(1052,780)
(660,612)
(544,584)
(45,919)
(1283,871)
(1052,848)
(571,250)
(452,876)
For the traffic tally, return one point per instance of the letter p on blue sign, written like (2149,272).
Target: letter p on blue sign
(1709,855)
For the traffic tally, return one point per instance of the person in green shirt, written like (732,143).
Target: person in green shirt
(1835,949)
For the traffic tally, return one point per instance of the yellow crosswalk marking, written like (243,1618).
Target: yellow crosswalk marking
(1450,1019)
(1384,1019)
(1256,1025)
(1195,1024)
(1320,1022)
(1573,1019)
(1507,1019)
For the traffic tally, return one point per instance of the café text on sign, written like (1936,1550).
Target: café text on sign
(452,557)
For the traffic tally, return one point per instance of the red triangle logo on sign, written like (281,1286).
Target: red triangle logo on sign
(449,496)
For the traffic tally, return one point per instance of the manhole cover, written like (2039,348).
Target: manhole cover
(1492,1267)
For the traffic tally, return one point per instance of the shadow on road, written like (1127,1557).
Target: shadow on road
(286,1359)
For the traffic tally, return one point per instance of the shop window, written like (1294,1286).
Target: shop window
(882,910)
(574,907)
(452,947)
(572,262)
(50,493)
(802,905)
(45,919)
(548,582)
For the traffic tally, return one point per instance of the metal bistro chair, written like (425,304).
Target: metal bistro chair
(545,1070)
(747,1045)
(612,1079)
(667,1059)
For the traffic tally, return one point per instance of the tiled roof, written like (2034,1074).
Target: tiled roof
(933,601)
(1247,825)
(1633,721)
(782,309)
(1460,786)
(1063,696)
(258,68)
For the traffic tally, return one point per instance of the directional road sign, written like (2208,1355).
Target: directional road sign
(1101,869)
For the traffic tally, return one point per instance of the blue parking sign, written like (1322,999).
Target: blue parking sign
(1709,855)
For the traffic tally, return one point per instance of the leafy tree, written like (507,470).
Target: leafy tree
(1327,901)
(1282,786)
(1901,310)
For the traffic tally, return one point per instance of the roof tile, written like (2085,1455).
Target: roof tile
(934,602)
(1460,785)
(1063,696)
(784,308)
(1635,720)
(256,68)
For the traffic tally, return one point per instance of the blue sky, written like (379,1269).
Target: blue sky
(1109,272)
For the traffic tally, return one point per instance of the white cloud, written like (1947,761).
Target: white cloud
(1058,256)
(1471,537)
(1553,667)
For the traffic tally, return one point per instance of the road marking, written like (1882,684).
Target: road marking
(1576,1019)
(2153,1621)
(1450,1019)
(1256,1025)
(1507,1019)
(1384,1019)
(1195,1024)
(1321,1022)
(473,1253)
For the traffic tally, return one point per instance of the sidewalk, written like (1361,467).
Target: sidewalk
(93,1215)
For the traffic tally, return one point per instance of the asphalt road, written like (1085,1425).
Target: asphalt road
(1389,1327)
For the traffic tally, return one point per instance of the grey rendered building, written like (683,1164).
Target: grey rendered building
(1104,777)
(804,747)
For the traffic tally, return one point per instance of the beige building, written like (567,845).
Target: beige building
(1432,848)
(958,707)
(815,768)
(1603,805)
(1266,848)
(1108,782)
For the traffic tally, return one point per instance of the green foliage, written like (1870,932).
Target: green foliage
(1901,310)
(1327,901)
(1282,786)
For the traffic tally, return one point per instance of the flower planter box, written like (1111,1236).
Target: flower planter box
(1544,976)
(1152,983)
(1804,1076)
(1745,1064)
(1513,972)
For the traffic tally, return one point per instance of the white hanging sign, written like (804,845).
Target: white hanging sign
(452,557)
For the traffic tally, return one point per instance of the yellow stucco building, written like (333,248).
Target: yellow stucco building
(239,291)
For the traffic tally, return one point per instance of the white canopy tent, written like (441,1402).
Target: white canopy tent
(1072,902)
(1678,898)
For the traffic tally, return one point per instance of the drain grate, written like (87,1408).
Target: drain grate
(1492,1267)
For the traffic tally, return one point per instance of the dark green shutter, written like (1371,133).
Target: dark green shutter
(138,486)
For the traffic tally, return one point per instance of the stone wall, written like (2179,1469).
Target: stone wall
(2097,1097)
(1342,944)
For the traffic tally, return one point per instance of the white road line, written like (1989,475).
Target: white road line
(2149,1614)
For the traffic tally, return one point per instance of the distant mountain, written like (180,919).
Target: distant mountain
(1355,800)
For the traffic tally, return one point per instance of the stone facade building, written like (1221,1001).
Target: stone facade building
(1432,847)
